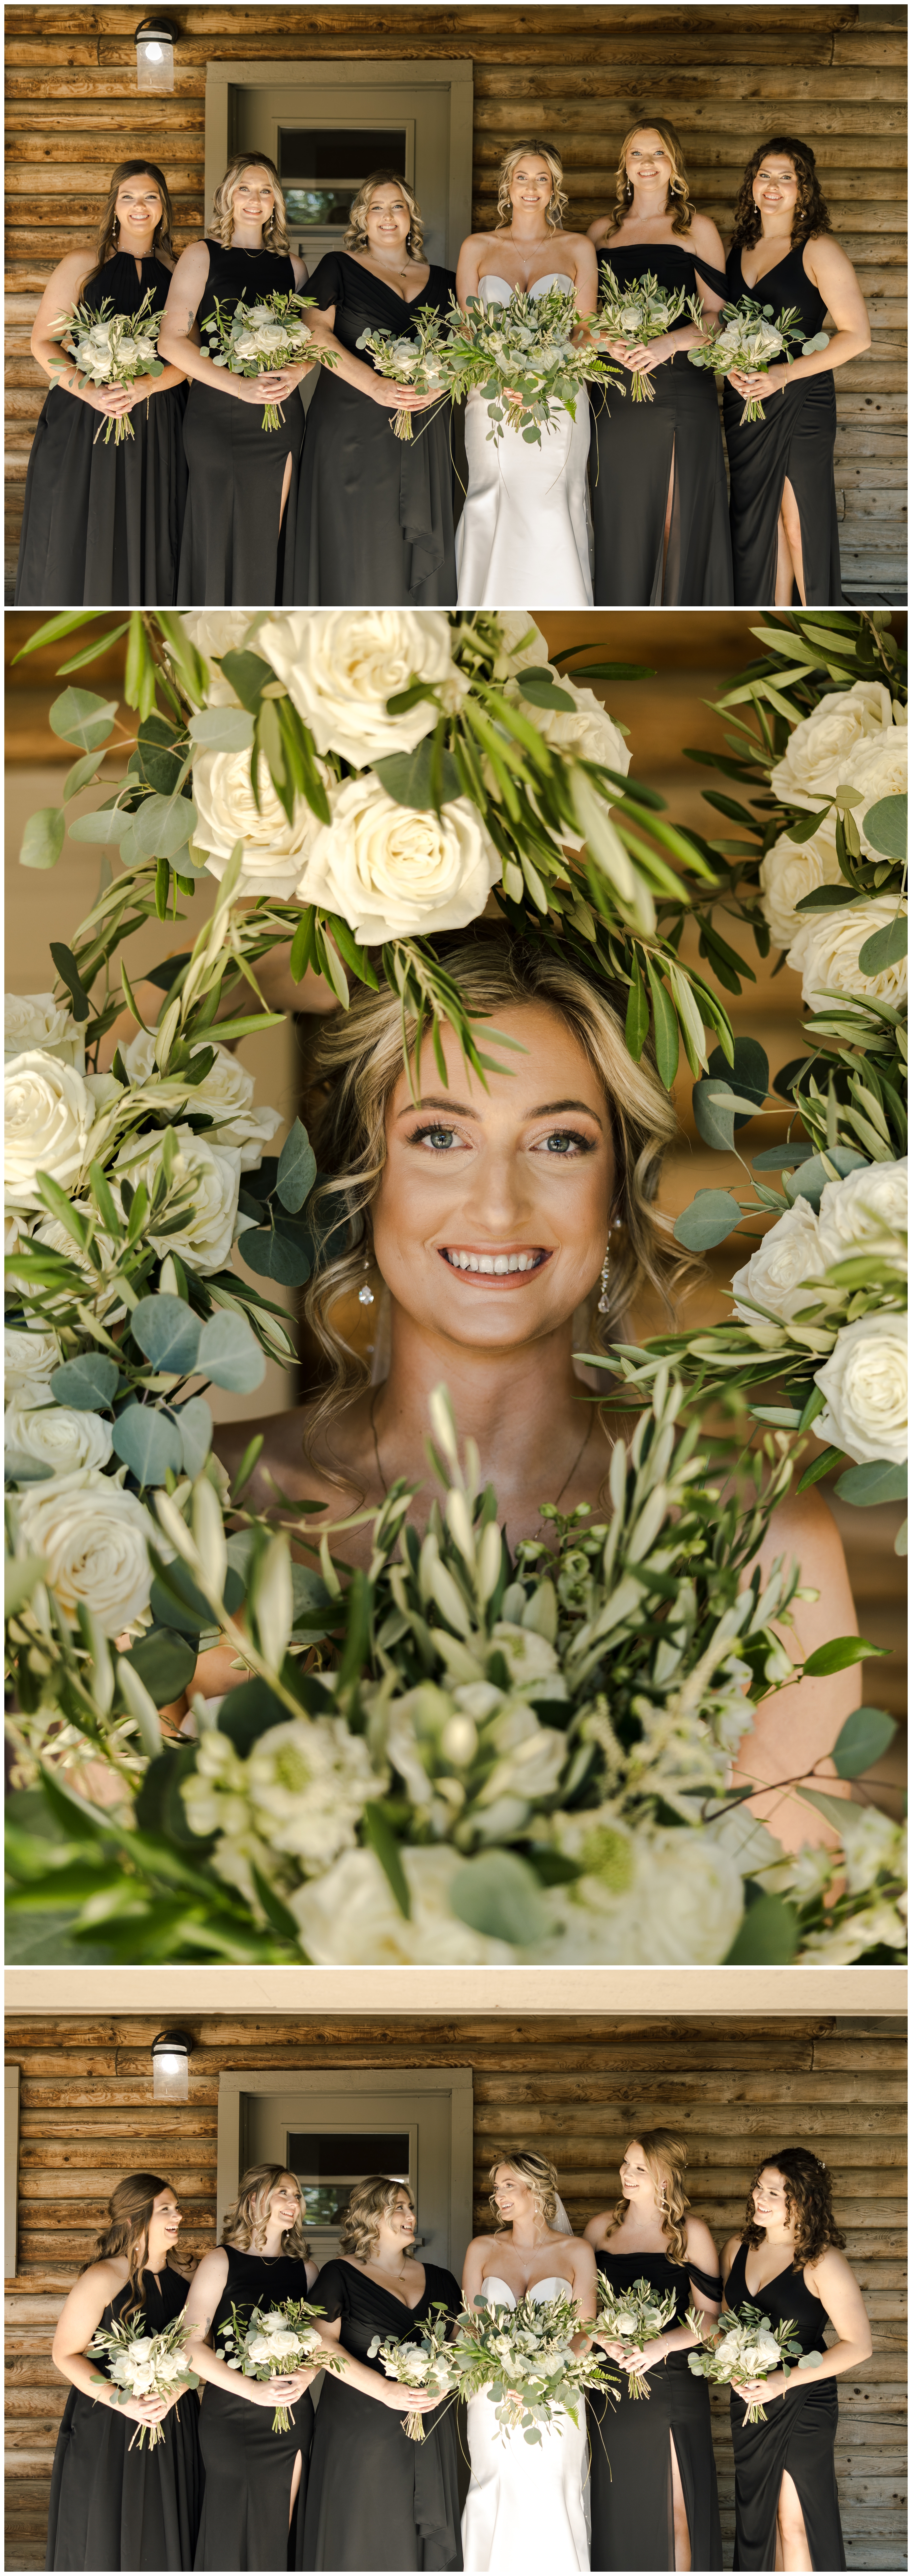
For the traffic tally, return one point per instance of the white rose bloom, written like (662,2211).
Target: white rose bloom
(341,667)
(871,1842)
(274,849)
(523,648)
(391,871)
(207,1231)
(819,751)
(219,630)
(226,1093)
(663,1897)
(36,1020)
(28,1361)
(792,869)
(869,1208)
(93,1536)
(308,1784)
(866,1384)
(350,1918)
(826,951)
(57,1436)
(880,767)
(49,1111)
(587,734)
(772,1278)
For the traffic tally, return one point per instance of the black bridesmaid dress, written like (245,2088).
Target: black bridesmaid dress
(793,443)
(233,549)
(102,524)
(375,2499)
(632,2513)
(798,2436)
(249,2468)
(630,462)
(375,512)
(116,2507)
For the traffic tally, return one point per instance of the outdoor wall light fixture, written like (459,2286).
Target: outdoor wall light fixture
(170,2065)
(155,40)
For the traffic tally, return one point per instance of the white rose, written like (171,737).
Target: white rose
(523,646)
(871,1842)
(866,1384)
(664,1897)
(789,1254)
(49,1111)
(816,760)
(341,667)
(36,1020)
(93,1537)
(226,1093)
(308,1784)
(220,630)
(274,849)
(588,733)
(28,1360)
(350,1918)
(869,1207)
(880,767)
(391,871)
(826,951)
(206,1233)
(57,1436)
(790,870)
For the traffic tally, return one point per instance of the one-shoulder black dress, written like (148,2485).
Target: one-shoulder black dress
(793,443)
(632,2511)
(102,523)
(375,512)
(113,2506)
(249,2468)
(630,462)
(234,551)
(374,2498)
(798,2437)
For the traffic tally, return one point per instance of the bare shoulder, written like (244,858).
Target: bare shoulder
(803,1526)
(729,2250)
(704,233)
(597,2231)
(193,263)
(599,231)
(828,2271)
(700,2245)
(825,261)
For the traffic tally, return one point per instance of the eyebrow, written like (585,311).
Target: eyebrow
(461,1108)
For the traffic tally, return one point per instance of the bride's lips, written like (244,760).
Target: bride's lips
(482,1265)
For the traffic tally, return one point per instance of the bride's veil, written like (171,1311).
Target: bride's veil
(560,2221)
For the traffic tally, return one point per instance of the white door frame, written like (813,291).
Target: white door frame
(235,2082)
(455,75)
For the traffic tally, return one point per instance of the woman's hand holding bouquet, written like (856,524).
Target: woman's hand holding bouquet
(629,2324)
(745,2350)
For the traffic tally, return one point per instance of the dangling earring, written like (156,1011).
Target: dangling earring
(366,1294)
(604,1303)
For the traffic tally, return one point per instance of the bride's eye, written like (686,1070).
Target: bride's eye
(437,1139)
(565,1142)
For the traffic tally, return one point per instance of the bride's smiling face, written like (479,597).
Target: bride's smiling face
(515,2197)
(492,1216)
(531,186)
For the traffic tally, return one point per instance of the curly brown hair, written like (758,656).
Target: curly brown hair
(127,2232)
(808,2199)
(374,2198)
(811,212)
(667,2161)
(108,234)
(679,195)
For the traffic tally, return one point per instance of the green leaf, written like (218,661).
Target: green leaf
(148,1443)
(22,1574)
(168,1333)
(715,1119)
(194,1422)
(409,777)
(666,1028)
(877,1481)
(747,1074)
(767,1935)
(42,839)
(707,1221)
(55,627)
(861,1741)
(278,1252)
(106,824)
(222,729)
(500,1896)
(176,1603)
(69,974)
(886,947)
(82,773)
(81,716)
(542,691)
(379,1835)
(89,1383)
(821,1466)
(297,1170)
(164,1662)
(810,1182)
(249,1712)
(637,1023)
(838,1654)
(163,826)
(886,826)
(229,1354)
(276,1913)
(249,675)
(782,1158)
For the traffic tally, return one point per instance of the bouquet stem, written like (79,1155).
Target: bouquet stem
(637,2384)
(155,2432)
(402,428)
(122,427)
(281,2422)
(272,415)
(753,410)
(756,2414)
(641,390)
(413,2425)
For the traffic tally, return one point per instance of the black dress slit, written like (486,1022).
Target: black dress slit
(797,2439)
(249,2468)
(632,450)
(375,512)
(113,2506)
(631,2481)
(794,444)
(238,544)
(101,524)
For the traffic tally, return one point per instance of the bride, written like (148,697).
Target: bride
(523,539)
(525,2506)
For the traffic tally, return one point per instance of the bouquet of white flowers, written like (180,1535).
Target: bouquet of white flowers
(417,358)
(144,2365)
(522,357)
(421,2360)
(522,2359)
(748,337)
(274,2342)
(637,313)
(632,2316)
(744,2343)
(111,349)
(257,339)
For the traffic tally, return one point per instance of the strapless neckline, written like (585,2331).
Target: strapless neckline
(554,277)
(551,2289)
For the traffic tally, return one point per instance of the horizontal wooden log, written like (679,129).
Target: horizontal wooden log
(706,137)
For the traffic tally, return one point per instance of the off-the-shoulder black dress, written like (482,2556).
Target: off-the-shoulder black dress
(233,549)
(102,521)
(249,2468)
(630,463)
(632,2514)
(793,443)
(798,2437)
(113,2506)
(375,512)
(375,2499)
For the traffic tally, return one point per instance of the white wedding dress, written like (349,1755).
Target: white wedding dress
(523,538)
(525,2509)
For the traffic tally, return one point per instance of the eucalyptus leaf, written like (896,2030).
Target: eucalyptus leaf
(811,1180)
(501,1897)
(860,1743)
(297,1170)
(229,1354)
(876,1481)
(88,1384)
(148,1443)
(707,1221)
(165,1663)
(81,716)
(409,776)
(194,1422)
(767,1935)
(278,1252)
(222,729)
(107,824)
(43,837)
(886,826)
(163,826)
(542,691)
(886,947)
(168,1333)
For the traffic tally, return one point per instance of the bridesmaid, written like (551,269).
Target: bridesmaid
(785,537)
(657,471)
(374,2498)
(788,2262)
(238,537)
(253,2511)
(375,513)
(654,2500)
(113,2505)
(102,523)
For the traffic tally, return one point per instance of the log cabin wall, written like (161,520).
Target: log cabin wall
(727,77)
(576,2088)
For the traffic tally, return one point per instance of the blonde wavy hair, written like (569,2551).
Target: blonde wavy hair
(355,237)
(558,201)
(358,1055)
(245,2225)
(370,2201)
(667,2161)
(540,2175)
(679,195)
(275,234)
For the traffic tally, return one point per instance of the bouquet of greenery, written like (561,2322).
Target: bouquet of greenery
(748,337)
(632,2316)
(257,339)
(522,357)
(271,2343)
(744,2343)
(638,313)
(522,2360)
(416,357)
(424,2359)
(110,349)
(143,2365)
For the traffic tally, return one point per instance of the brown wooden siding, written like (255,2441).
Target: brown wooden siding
(726,76)
(577,2088)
